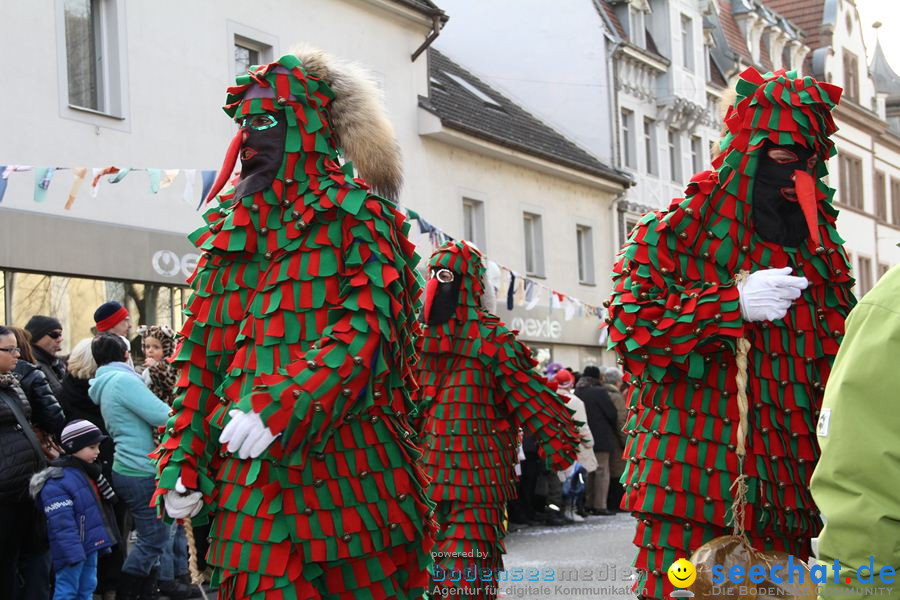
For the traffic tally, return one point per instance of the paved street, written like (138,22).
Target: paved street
(585,561)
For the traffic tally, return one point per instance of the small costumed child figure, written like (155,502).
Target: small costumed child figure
(158,342)
(478,386)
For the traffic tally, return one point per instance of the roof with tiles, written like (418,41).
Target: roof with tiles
(465,103)
(732,32)
(614,19)
(806,15)
(886,79)
(779,13)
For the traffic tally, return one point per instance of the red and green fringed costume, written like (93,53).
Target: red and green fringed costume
(303,310)
(674,321)
(478,386)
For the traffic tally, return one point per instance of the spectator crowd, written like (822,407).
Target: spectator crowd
(590,486)
(76,480)
(75,474)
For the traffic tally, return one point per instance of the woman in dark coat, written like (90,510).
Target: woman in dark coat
(48,414)
(21,530)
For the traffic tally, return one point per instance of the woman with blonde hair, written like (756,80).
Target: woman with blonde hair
(76,403)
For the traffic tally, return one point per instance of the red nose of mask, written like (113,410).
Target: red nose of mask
(806,197)
(231,157)
(430,290)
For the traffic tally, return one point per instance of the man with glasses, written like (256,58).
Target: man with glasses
(46,343)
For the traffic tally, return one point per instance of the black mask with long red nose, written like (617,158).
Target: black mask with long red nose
(441,296)
(781,209)
(262,150)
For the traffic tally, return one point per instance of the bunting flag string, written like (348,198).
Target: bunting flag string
(159,179)
(516,289)
(519,289)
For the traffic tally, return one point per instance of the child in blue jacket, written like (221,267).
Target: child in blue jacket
(74,496)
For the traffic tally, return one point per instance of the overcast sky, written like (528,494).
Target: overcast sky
(888,12)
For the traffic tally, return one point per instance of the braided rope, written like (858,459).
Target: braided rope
(196,576)
(739,486)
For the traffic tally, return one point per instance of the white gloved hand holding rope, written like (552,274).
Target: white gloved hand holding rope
(768,294)
(182,503)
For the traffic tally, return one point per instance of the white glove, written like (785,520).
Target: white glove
(768,294)
(246,435)
(182,503)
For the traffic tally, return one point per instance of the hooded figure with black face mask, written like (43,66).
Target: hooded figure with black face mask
(477,387)
(750,253)
(289,428)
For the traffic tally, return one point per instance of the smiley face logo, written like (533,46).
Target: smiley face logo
(682,573)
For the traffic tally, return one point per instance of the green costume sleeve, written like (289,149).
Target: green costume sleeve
(533,405)
(857,481)
(666,309)
(364,355)
(187,450)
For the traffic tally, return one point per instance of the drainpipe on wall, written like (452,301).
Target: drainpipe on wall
(435,32)
(616,219)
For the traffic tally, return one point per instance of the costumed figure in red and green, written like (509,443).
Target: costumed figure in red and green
(677,313)
(478,386)
(290,427)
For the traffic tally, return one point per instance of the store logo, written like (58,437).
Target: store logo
(169,264)
(543,328)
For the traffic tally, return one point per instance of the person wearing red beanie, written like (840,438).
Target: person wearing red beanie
(112,317)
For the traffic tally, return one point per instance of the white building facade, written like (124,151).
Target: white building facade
(105,83)
(134,85)
(826,41)
(666,114)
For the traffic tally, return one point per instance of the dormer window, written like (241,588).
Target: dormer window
(637,27)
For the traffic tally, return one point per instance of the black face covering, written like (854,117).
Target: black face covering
(261,152)
(776,214)
(441,296)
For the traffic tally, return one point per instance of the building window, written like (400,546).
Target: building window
(92,55)
(880,196)
(696,154)
(534,245)
(864,275)
(249,52)
(851,181)
(687,43)
(851,76)
(244,58)
(674,156)
(637,27)
(628,154)
(650,152)
(473,222)
(895,201)
(82,33)
(584,236)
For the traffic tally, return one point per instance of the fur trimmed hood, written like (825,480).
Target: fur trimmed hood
(39,479)
(358,119)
